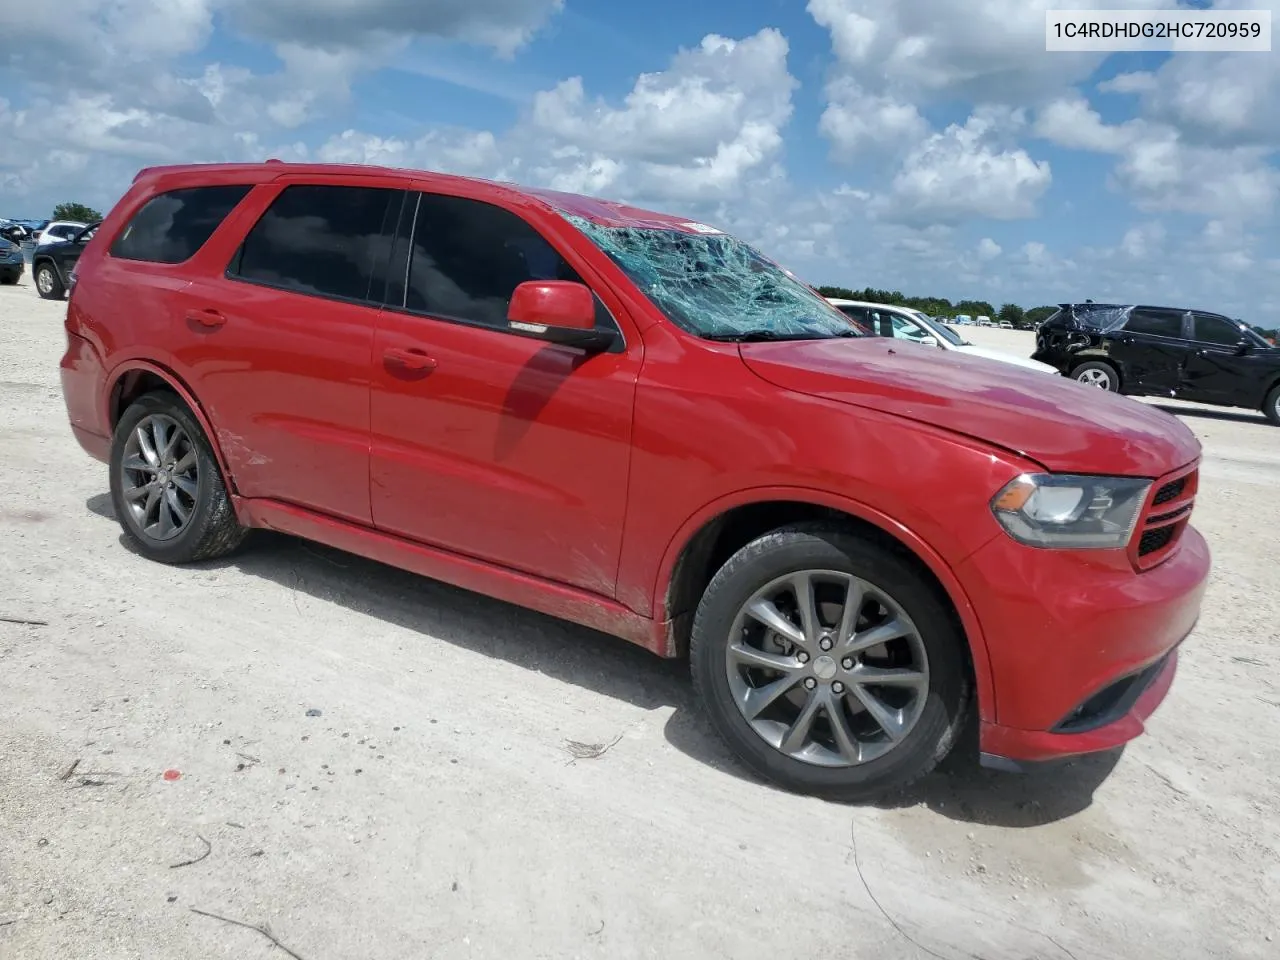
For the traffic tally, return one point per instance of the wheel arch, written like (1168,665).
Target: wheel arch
(133,378)
(38,259)
(714,533)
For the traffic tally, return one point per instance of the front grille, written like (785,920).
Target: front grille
(1164,518)
(1170,491)
(1154,540)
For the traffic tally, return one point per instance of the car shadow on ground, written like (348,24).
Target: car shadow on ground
(959,789)
(1213,413)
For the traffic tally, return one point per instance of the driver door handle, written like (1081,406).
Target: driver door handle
(206,318)
(410,359)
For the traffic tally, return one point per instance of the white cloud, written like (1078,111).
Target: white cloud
(1140,82)
(992,51)
(969,171)
(855,119)
(988,249)
(504,25)
(1161,170)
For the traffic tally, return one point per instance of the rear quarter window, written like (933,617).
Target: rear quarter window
(172,226)
(1155,322)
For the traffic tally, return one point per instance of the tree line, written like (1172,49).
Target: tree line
(944,309)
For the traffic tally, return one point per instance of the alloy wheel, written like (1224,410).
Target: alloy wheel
(44,280)
(827,668)
(1095,377)
(160,477)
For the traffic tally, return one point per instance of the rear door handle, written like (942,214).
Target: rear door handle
(206,318)
(411,359)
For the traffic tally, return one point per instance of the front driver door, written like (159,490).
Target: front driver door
(1151,349)
(484,442)
(1216,371)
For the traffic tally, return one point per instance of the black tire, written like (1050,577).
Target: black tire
(9,279)
(212,530)
(1099,369)
(834,548)
(1271,406)
(51,287)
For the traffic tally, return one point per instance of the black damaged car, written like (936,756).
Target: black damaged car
(1163,352)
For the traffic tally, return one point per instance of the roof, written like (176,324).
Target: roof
(838,302)
(607,213)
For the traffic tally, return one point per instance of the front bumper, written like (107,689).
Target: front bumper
(1082,647)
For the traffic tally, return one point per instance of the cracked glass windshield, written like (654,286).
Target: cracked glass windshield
(717,287)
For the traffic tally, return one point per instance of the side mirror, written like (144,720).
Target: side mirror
(1243,347)
(929,341)
(557,311)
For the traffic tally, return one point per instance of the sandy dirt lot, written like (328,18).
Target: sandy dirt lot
(375,765)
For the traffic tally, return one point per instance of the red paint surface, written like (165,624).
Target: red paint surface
(172,775)
(571,483)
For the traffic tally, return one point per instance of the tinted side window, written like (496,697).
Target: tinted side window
(1160,323)
(1217,330)
(467,257)
(172,226)
(329,241)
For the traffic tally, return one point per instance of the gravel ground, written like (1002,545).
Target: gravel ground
(375,765)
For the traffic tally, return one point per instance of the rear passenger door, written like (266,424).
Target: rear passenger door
(1151,349)
(485,442)
(277,338)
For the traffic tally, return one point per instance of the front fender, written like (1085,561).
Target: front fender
(894,528)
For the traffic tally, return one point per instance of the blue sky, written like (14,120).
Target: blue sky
(931,146)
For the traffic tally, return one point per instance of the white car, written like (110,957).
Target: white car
(58,231)
(904,323)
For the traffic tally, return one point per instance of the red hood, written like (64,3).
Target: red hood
(1063,425)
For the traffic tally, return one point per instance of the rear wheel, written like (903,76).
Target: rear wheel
(1271,406)
(167,490)
(828,664)
(48,283)
(1097,373)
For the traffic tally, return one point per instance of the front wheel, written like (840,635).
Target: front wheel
(828,664)
(48,283)
(1271,406)
(1097,373)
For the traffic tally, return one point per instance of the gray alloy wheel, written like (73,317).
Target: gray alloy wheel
(1097,374)
(160,477)
(48,283)
(167,489)
(827,668)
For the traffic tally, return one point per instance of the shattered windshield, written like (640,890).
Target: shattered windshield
(717,287)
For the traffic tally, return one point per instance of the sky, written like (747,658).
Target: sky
(928,146)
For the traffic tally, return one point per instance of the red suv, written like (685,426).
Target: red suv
(640,424)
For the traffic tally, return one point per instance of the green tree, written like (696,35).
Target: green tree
(976,308)
(1037,315)
(77,212)
(1012,314)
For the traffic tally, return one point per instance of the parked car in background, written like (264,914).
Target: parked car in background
(11,262)
(548,398)
(53,264)
(1163,351)
(58,231)
(915,326)
(983,321)
(1005,325)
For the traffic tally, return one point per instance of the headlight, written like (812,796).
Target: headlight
(1068,512)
